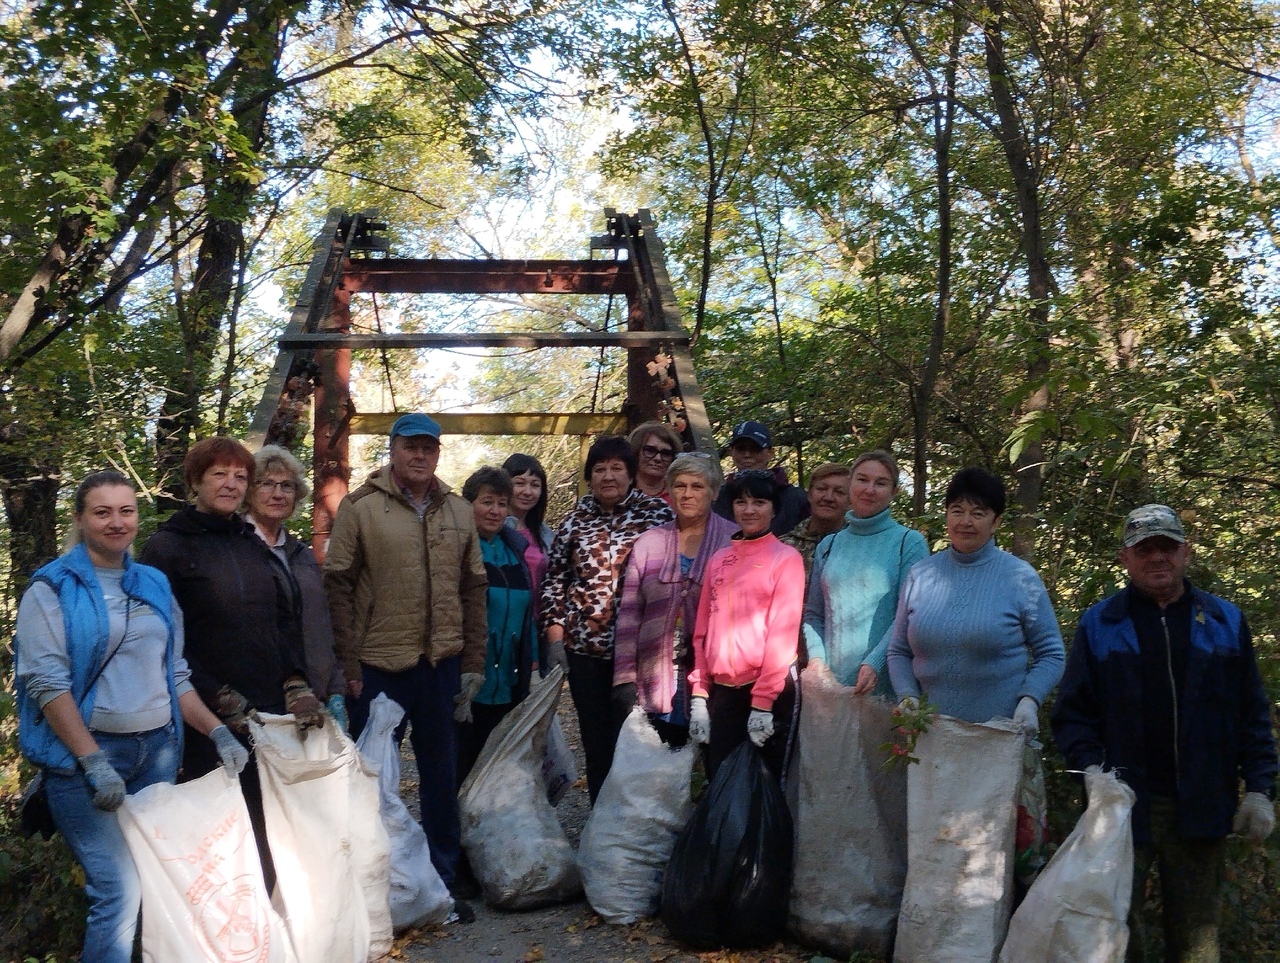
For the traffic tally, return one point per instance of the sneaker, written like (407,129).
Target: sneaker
(462,913)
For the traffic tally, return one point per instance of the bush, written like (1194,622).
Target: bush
(42,903)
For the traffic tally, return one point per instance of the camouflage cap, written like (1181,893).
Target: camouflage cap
(1151,520)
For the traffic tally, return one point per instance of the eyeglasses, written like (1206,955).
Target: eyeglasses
(653,451)
(284,487)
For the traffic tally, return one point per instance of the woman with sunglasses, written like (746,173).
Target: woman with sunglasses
(656,446)
(744,645)
(103,691)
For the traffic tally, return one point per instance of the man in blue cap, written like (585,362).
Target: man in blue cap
(407,592)
(751,448)
(1162,686)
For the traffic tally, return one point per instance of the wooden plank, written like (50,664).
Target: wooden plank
(495,276)
(507,339)
(501,423)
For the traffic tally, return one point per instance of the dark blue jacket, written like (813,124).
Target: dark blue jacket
(1224,720)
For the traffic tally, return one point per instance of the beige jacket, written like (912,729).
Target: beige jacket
(400,588)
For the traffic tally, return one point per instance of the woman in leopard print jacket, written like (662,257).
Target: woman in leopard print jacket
(583,584)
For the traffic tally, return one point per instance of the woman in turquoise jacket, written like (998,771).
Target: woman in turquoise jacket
(102,691)
(857,572)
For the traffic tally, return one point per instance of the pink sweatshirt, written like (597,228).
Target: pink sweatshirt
(749,618)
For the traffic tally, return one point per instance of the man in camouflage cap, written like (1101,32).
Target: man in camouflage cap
(1162,686)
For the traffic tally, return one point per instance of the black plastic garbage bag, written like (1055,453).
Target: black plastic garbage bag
(729,879)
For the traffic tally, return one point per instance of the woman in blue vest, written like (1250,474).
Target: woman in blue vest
(102,691)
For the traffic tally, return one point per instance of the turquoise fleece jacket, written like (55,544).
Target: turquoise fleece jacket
(853,593)
(975,632)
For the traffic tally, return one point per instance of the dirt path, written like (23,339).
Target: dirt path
(571,932)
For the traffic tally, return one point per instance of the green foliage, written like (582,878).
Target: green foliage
(42,904)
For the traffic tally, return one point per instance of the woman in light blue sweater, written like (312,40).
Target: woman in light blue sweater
(857,572)
(975,631)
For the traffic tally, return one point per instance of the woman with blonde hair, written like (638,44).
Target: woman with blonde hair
(857,572)
(103,692)
(278,492)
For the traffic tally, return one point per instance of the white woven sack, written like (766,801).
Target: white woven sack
(1078,906)
(202,892)
(851,821)
(332,855)
(961,829)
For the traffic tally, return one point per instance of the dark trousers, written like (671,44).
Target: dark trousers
(200,757)
(425,692)
(474,734)
(730,707)
(591,685)
(1191,877)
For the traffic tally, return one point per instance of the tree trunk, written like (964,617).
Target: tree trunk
(1025,171)
(29,486)
(922,392)
(203,310)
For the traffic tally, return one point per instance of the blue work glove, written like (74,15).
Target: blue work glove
(234,756)
(337,706)
(108,788)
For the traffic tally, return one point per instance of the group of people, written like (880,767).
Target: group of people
(669,586)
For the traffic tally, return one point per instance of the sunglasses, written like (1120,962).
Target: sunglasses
(653,451)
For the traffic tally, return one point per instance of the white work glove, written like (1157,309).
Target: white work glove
(759,726)
(908,703)
(557,656)
(471,683)
(1027,715)
(233,755)
(108,788)
(1255,819)
(699,720)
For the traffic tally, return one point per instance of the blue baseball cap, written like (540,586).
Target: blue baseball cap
(415,424)
(752,431)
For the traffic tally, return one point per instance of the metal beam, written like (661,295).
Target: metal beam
(454,276)
(502,423)
(695,411)
(329,249)
(509,339)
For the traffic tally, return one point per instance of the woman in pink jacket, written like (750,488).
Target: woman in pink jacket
(744,644)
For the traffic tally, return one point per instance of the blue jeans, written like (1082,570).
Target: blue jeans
(425,692)
(111,880)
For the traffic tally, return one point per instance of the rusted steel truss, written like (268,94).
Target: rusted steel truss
(313,368)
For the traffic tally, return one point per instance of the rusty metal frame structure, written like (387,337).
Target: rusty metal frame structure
(313,365)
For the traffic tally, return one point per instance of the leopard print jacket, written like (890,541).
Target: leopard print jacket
(585,566)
